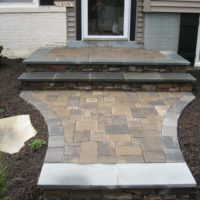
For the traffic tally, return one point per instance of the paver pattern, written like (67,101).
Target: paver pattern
(111,126)
(104,53)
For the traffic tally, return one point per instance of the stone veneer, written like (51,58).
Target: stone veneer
(71,85)
(104,68)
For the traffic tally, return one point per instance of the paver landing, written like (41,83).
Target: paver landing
(111,126)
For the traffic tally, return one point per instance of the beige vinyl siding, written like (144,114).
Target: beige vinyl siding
(71,23)
(139,22)
(173,6)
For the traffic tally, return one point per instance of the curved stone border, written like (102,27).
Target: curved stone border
(170,129)
(56,141)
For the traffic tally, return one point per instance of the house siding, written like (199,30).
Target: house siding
(162,31)
(71,23)
(139,22)
(176,6)
(23,30)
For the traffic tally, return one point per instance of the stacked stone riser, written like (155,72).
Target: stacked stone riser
(105,68)
(158,87)
(131,194)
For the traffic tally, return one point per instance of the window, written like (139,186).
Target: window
(18,3)
(106,19)
(197,59)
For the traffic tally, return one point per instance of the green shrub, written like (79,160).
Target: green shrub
(36,144)
(2,110)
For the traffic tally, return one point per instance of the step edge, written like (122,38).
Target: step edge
(117,178)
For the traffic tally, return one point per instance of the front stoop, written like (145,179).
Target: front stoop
(106,68)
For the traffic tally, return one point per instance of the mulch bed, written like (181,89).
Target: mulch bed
(189,133)
(24,167)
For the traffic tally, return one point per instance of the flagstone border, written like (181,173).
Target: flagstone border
(170,129)
(56,141)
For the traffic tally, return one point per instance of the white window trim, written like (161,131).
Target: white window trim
(35,3)
(84,21)
(197,59)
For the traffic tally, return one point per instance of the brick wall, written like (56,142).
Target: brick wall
(161,31)
(23,30)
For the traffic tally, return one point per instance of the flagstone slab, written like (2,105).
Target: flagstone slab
(14,132)
(100,176)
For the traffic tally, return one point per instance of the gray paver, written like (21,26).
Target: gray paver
(117,129)
(56,141)
(175,157)
(54,155)
(72,150)
(134,159)
(105,149)
(170,142)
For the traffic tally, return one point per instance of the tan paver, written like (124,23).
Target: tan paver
(128,150)
(111,159)
(118,137)
(91,100)
(111,126)
(86,125)
(154,156)
(97,136)
(88,152)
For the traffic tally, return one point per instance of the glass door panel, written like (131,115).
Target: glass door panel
(105,17)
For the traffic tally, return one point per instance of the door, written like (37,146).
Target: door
(188,36)
(197,60)
(106,19)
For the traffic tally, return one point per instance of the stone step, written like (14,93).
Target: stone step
(105,59)
(108,80)
(118,176)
